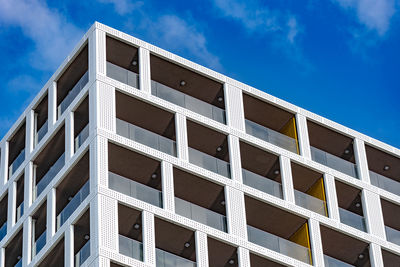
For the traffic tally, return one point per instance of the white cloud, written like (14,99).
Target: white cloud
(293,29)
(374,14)
(123,7)
(52,35)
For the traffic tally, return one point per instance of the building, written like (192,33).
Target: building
(133,156)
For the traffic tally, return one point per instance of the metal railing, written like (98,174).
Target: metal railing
(16,163)
(385,183)
(122,75)
(262,183)
(392,235)
(39,243)
(3,230)
(49,176)
(309,202)
(352,219)
(166,259)
(186,101)
(208,162)
(82,136)
(83,254)
(332,262)
(130,247)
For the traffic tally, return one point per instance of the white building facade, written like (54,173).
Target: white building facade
(133,156)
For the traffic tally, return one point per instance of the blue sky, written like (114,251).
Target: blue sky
(337,58)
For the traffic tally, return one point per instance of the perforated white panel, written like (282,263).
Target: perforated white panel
(108,228)
(167,186)
(373,213)
(375,255)
(361,160)
(302,134)
(234,156)
(69,246)
(236,214)
(234,107)
(52,100)
(181,136)
(331,197)
(316,243)
(105,106)
(149,241)
(201,249)
(287,180)
(144,70)
(101,51)
(244,257)
(99,162)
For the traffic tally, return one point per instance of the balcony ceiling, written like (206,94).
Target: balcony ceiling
(121,54)
(16,143)
(81,228)
(260,261)
(303,177)
(13,249)
(378,159)
(347,195)
(127,218)
(390,259)
(220,253)
(55,257)
(391,213)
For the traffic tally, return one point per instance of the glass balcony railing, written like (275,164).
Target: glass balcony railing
(83,254)
(82,136)
(200,214)
(16,163)
(122,75)
(334,162)
(278,244)
(271,136)
(166,259)
(73,205)
(20,211)
(352,219)
(178,98)
(19,263)
(332,262)
(309,202)
(385,183)
(39,243)
(3,230)
(210,163)
(392,235)
(262,183)
(41,133)
(146,137)
(131,248)
(134,189)
(73,93)
(48,177)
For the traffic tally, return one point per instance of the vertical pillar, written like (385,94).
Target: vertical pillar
(51,214)
(69,246)
(144,70)
(52,116)
(2,257)
(331,197)
(234,107)
(167,182)
(375,255)
(95,226)
(149,240)
(244,257)
(361,160)
(4,163)
(97,54)
(302,135)
(181,137)
(372,210)
(28,185)
(69,136)
(234,156)
(27,241)
(201,249)
(107,223)
(102,107)
(12,205)
(287,181)
(235,212)
(316,243)
(29,134)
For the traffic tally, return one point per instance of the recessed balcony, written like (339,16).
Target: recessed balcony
(56,256)
(390,259)
(3,216)
(270,123)
(20,198)
(261,170)
(187,89)
(130,232)
(16,151)
(391,213)
(41,120)
(39,228)
(81,124)
(332,149)
(82,239)
(221,254)
(256,260)
(13,251)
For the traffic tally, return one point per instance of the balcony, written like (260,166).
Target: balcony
(166,259)
(200,214)
(83,254)
(332,262)
(390,212)
(352,219)
(392,235)
(38,244)
(72,94)
(55,257)
(130,248)
(278,244)
(12,251)
(222,254)
(49,176)
(385,183)
(262,183)
(41,112)
(134,189)
(186,101)
(19,263)
(20,211)
(16,149)
(16,163)
(3,231)
(309,202)
(73,205)
(146,137)
(81,138)
(41,132)
(122,75)
(210,163)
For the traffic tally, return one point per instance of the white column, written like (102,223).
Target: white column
(287,181)
(97,54)
(373,215)
(4,163)
(29,135)
(107,223)
(51,214)
(235,212)
(144,70)
(2,257)
(234,107)
(95,226)
(331,197)
(181,137)
(201,249)
(69,246)
(28,185)
(102,107)
(235,159)
(149,240)
(375,255)
(52,101)
(12,205)
(361,160)
(316,243)
(302,135)
(244,257)
(69,136)
(167,181)
(27,241)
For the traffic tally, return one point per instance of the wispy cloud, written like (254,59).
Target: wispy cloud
(123,7)
(52,35)
(375,15)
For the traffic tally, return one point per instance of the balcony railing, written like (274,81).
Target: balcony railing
(271,136)
(208,162)
(131,248)
(166,259)
(278,244)
(332,262)
(19,263)
(48,177)
(41,132)
(16,163)
(334,162)
(82,136)
(73,205)
(72,94)
(134,189)
(392,235)
(39,243)
(146,137)
(178,98)
(385,183)
(262,183)
(309,202)
(82,254)
(200,214)
(122,75)
(20,211)
(352,219)
(3,230)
